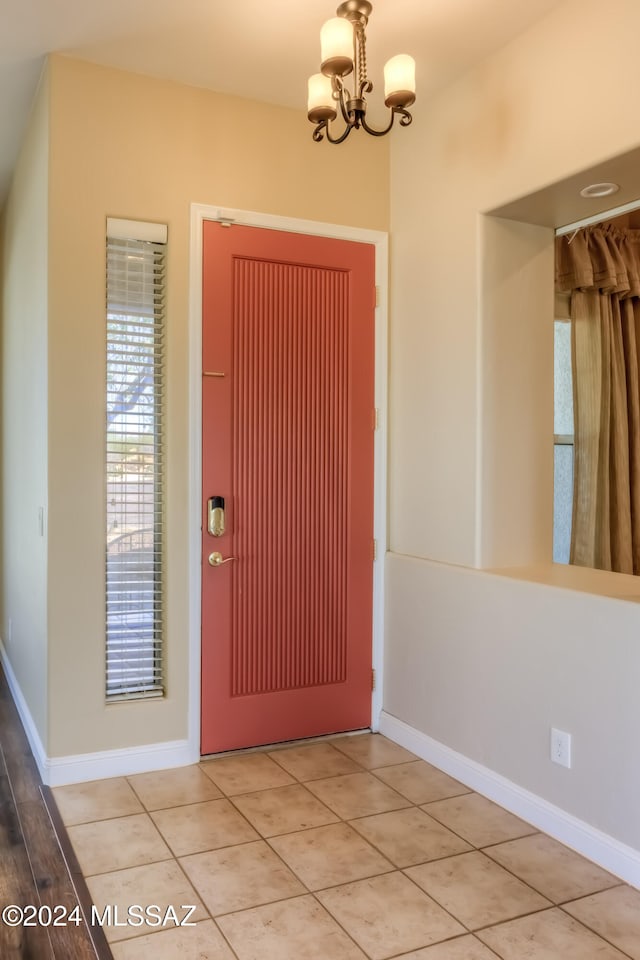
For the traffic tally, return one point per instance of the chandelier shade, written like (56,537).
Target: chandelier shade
(343,52)
(336,47)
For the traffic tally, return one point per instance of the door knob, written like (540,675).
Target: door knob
(216,559)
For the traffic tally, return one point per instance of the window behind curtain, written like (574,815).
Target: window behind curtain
(135,378)
(563,443)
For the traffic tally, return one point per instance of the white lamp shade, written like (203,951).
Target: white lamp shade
(320,104)
(400,77)
(319,92)
(336,45)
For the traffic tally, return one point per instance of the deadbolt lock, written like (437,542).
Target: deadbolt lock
(215,516)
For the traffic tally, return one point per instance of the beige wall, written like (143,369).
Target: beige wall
(487,665)
(128,146)
(24,308)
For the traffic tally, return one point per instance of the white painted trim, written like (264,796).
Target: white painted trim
(479,526)
(57,771)
(118,763)
(606,851)
(30,729)
(200,213)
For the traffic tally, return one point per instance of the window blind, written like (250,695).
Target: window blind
(135,378)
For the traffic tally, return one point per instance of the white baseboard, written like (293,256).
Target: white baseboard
(621,860)
(30,729)
(58,771)
(118,763)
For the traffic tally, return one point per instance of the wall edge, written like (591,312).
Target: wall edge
(601,848)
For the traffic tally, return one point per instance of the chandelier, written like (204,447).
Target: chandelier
(343,51)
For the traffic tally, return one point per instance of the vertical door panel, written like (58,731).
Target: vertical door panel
(288,441)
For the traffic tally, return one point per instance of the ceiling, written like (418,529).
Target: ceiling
(261,50)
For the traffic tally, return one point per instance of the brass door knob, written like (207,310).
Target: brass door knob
(216,559)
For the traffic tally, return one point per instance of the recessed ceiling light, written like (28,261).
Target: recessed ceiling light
(599,190)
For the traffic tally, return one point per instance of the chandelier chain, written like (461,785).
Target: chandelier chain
(361,40)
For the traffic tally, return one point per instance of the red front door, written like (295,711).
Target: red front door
(287,411)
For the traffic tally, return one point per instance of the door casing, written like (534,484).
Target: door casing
(200,213)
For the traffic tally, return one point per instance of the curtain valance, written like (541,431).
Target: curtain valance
(605,259)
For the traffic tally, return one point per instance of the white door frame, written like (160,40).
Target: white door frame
(200,213)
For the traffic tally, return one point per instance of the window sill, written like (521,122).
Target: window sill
(619,586)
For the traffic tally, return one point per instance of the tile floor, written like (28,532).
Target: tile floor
(338,850)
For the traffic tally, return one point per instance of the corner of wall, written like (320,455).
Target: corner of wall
(515,476)
(24,418)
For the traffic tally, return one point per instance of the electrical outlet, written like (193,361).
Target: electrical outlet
(561,747)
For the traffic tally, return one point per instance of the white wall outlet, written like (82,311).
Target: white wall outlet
(561,747)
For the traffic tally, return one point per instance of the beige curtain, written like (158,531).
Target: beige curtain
(600,268)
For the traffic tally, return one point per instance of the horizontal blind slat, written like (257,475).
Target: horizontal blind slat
(135,329)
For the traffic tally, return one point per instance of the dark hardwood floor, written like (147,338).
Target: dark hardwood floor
(33,868)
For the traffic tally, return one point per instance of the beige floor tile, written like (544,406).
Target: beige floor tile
(283,810)
(246,774)
(357,795)
(97,800)
(293,930)
(171,788)
(478,820)
(331,855)
(551,868)
(315,761)
(408,837)
(202,826)
(420,782)
(476,890)
(550,935)
(237,878)
(202,942)
(615,915)
(372,750)
(388,915)
(161,884)
(462,948)
(108,845)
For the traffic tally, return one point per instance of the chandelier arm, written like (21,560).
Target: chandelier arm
(405,120)
(318,130)
(341,94)
(341,139)
(373,131)
(346,116)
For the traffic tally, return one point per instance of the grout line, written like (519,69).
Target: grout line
(205,907)
(557,903)
(523,916)
(486,850)
(285,744)
(584,924)
(96,933)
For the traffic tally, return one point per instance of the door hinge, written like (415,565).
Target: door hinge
(376,418)
(377,296)
(375,550)
(373,679)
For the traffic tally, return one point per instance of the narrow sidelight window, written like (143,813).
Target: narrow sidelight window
(135,458)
